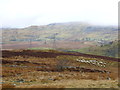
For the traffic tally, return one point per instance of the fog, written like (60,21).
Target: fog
(23,13)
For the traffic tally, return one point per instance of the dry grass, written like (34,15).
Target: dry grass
(73,83)
(49,76)
(8,85)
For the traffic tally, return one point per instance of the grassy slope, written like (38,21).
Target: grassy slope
(110,50)
(31,76)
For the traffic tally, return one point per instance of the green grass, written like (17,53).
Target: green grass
(110,50)
(40,48)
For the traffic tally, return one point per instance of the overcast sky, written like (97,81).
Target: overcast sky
(23,13)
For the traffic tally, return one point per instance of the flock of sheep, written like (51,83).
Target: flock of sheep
(93,62)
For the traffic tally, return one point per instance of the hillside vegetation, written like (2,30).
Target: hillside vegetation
(78,36)
(75,31)
(111,50)
(57,69)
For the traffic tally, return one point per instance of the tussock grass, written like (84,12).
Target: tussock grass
(53,74)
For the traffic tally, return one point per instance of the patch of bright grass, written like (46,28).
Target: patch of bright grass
(40,48)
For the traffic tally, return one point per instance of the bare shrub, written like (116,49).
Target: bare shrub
(62,64)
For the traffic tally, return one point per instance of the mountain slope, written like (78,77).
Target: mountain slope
(84,37)
(65,31)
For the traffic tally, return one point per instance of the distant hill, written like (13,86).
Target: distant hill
(78,36)
(71,31)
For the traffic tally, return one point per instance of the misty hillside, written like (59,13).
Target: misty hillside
(75,36)
(73,31)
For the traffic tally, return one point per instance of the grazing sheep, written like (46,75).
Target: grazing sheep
(94,62)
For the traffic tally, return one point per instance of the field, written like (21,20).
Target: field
(57,69)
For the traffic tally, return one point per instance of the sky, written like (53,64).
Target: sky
(23,13)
